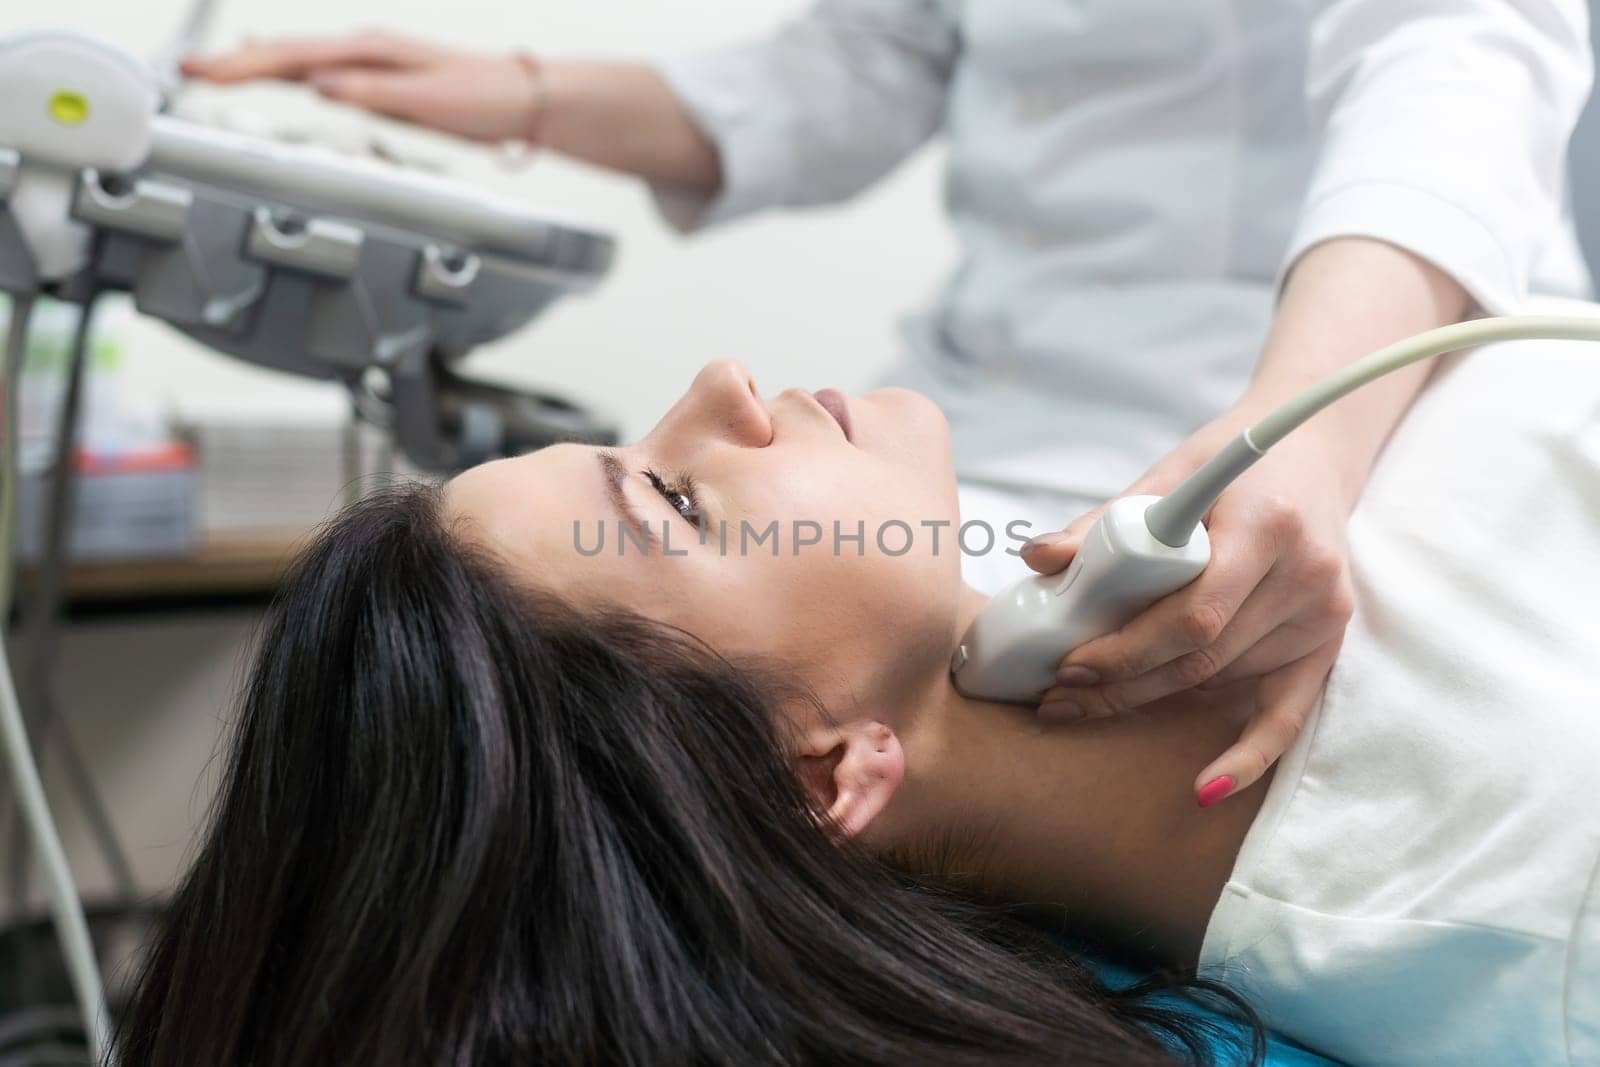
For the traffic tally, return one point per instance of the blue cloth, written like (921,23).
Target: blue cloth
(1281,1051)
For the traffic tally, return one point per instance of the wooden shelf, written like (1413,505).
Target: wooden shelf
(232,564)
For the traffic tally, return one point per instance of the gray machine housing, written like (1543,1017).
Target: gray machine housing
(385,309)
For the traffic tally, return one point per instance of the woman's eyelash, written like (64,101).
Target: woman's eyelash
(679,492)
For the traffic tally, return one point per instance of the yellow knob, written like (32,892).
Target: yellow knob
(68,108)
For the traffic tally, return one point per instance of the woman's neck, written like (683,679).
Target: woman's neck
(1093,824)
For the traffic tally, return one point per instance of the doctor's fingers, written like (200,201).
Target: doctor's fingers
(1284,700)
(1256,633)
(1049,553)
(495,102)
(1309,630)
(294,59)
(1193,619)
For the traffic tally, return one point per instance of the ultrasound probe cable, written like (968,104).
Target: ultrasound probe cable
(72,930)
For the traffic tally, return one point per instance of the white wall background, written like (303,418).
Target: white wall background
(807,299)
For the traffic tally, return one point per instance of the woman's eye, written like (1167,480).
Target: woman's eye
(679,492)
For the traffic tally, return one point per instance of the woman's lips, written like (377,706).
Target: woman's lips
(837,405)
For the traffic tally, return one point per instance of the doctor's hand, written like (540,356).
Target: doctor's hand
(1272,605)
(619,115)
(478,96)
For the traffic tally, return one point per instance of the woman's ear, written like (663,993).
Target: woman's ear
(850,771)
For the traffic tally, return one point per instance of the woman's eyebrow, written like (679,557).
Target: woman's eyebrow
(614,472)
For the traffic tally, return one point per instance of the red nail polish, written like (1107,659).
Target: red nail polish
(1214,791)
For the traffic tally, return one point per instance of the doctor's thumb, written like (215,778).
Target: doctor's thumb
(1052,552)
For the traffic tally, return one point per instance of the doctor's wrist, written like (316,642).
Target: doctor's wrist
(530,126)
(1334,454)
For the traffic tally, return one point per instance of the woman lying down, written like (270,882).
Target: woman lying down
(497,798)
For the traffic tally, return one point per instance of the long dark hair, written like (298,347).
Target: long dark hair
(463,824)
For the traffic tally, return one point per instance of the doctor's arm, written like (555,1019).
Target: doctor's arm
(827,104)
(1271,608)
(618,115)
(1444,132)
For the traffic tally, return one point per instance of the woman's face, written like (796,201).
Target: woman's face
(767,561)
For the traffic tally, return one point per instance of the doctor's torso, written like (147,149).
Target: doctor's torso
(1124,178)
(1130,141)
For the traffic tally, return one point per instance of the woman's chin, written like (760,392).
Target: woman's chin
(903,422)
(909,404)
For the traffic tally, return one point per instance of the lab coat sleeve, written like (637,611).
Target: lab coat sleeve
(1444,128)
(819,110)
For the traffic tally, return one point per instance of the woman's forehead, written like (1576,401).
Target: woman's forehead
(523,501)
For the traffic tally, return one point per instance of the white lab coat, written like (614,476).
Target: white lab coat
(1128,180)
(1422,883)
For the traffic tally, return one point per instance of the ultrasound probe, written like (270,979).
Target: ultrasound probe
(1146,547)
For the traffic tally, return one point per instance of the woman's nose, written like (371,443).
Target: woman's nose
(723,401)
